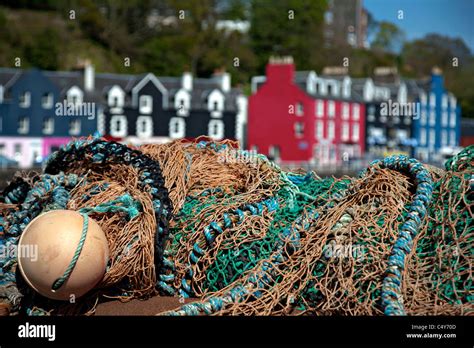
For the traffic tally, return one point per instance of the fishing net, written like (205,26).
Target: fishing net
(236,234)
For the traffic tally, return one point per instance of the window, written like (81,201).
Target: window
(355,111)
(355,132)
(396,119)
(115,102)
(177,128)
(423,98)
(345,111)
(345,132)
(423,117)
(299,129)
(319,129)
(444,137)
(215,106)
(146,104)
(23,125)
(216,129)
(432,117)
(25,100)
(47,100)
(331,108)
(432,137)
(118,126)
(452,121)
(444,101)
(453,138)
(74,96)
(423,137)
(299,109)
(48,125)
(371,113)
(407,120)
(444,119)
(432,100)
(331,130)
(144,126)
(274,152)
(75,127)
(319,108)
(329,89)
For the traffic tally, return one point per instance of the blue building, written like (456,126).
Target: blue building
(439,124)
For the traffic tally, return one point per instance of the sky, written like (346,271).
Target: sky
(453,18)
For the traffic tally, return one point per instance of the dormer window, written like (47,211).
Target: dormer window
(215,106)
(25,100)
(115,102)
(23,125)
(146,104)
(47,100)
(48,125)
(75,127)
(74,96)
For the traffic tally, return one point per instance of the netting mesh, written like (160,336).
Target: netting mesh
(242,236)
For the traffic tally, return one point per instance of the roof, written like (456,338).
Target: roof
(103,82)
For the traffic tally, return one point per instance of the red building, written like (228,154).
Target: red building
(288,123)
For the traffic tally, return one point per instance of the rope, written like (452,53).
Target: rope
(61,280)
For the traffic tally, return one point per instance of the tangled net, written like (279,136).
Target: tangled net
(207,221)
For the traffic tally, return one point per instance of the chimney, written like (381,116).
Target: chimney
(187,81)
(281,70)
(222,78)
(89,76)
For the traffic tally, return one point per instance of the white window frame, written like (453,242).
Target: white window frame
(453,137)
(48,104)
(148,128)
(182,102)
(432,100)
(345,131)
(181,132)
(212,132)
(319,129)
(48,125)
(331,108)
(145,104)
(23,125)
(331,130)
(423,136)
(432,139)
(444,101)
(345,111)
(123,126)
(423,117)
(299,131)
(355,132)
(432,117)
(75,92)
(319,108)
(444,137)
(355,111)
(116,93)
(453,120)
(24,100)
(299,109)
(75,126)
(444,118)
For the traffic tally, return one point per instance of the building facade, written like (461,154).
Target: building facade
(302,117)
(439,125)
(42,110)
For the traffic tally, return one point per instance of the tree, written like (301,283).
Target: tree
(388,37)
(287,27)
(44,52)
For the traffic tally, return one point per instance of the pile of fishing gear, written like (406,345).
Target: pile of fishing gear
(235,234)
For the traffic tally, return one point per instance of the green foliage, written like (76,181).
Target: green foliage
(388,37)
(44,51)
(287,27)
